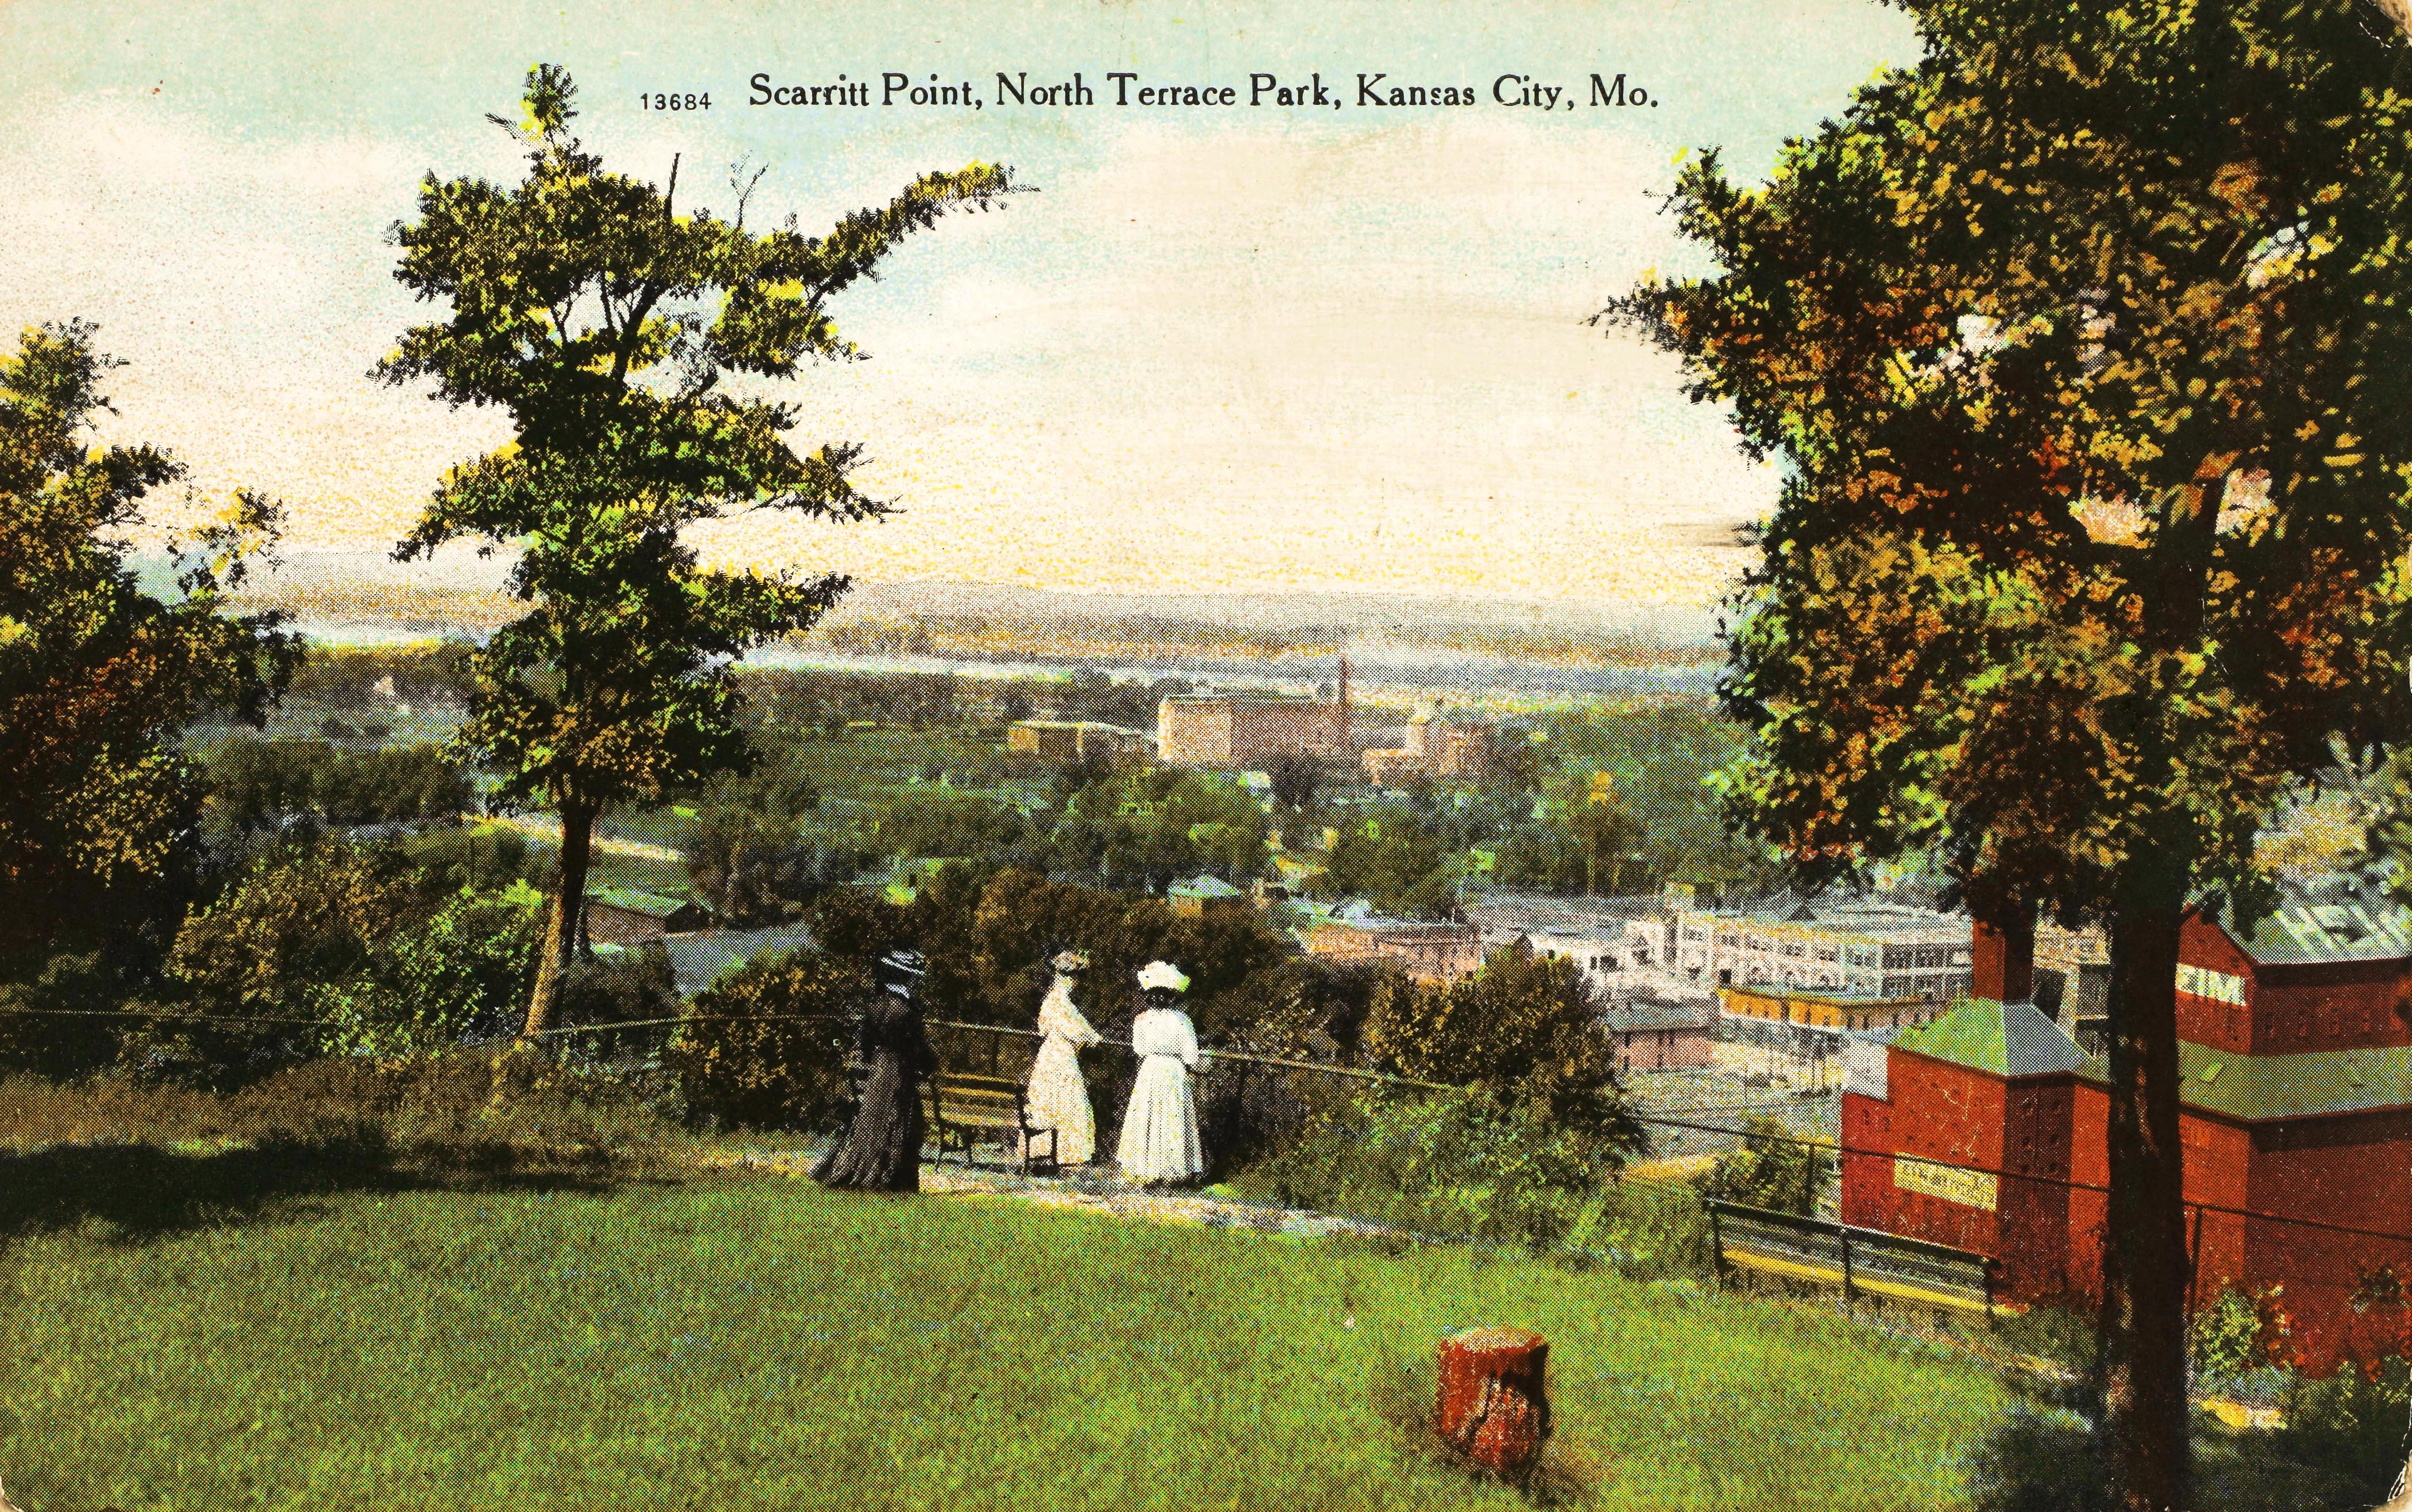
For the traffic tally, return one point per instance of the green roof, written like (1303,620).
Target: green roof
(2340,924)
(1204,886)
(2294,1086)
(2016,1040)
(651,905)
(2007,1039)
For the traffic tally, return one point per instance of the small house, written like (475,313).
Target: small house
(624,916)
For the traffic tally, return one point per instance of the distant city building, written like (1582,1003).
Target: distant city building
(623,916)
(1813,1024)
(1248,729)
(1432,748)
(1074,740)
(1192,898)
(1856,945)
(1595,933)
(1655,1036)
(2072,978)
(1428,952)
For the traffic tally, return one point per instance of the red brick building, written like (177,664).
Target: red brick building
(2296,1122)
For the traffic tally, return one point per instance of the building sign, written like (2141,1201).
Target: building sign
(2215,985)
(1970,1189)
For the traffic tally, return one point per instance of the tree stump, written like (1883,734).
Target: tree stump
(1495,1400)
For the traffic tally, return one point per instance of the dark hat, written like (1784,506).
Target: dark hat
(901,971)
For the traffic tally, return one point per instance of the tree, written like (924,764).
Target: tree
(2082,343)
(1524,1028)
(98,676)
(605,322)
(1295,779)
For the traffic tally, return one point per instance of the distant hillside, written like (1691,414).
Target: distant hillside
(1438,641)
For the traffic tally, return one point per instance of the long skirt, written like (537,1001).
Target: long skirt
(1160,1140)
(882,1152)
(1059,1100)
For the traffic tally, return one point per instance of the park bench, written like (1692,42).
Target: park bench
(1894,1269)
(968,1110)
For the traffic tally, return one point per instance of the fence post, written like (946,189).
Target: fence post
(2194,1285)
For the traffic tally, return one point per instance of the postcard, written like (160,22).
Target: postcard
(1112,753)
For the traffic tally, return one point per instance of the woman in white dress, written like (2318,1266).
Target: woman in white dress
(1059,1097)
(1160,1140)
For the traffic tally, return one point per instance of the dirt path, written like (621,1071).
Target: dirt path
(1084,1191)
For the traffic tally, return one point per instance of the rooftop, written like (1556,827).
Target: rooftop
(1541,913)
(2294,1086)
(1647,1013)
(2009,1039)
(652,905)
(2342,917)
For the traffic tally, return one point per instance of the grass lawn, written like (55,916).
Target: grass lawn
(744,1343)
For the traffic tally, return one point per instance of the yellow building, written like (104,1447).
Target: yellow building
(1841,1012)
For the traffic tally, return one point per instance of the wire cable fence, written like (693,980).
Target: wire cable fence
(2041,1229)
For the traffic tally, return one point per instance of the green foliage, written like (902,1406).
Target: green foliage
(1770,1171)
(436,979)
(40,1030)
(479,859)
(604,321)
(1296,779)
(372,955)
(97,675)
(1394,858)
(1525,1031)
(1469,1164)
(255,783)
(856,924)
(2243,1329)
(2353,1421)
(764,1075)
(363,677)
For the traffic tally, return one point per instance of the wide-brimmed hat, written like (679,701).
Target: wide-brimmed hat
(1164,976)
(1070,962)
(900,971)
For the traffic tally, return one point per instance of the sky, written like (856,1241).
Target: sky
(1242,349)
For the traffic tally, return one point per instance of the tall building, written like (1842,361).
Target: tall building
(1245,730)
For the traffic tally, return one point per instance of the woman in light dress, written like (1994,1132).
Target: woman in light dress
(1059,1098)
(1159,1138)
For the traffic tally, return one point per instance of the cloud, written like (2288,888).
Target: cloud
(1221,356)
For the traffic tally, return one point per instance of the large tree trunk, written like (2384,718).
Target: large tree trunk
(561,920)
(2144,1257)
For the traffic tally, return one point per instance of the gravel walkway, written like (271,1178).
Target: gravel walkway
(1088,1190)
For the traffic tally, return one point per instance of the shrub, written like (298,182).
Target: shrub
(1467,1164)
(2352,1422)
(2241,1330)
(1770,1171)
(1524,1028)
(461,972)
(736,1069)
(39,1030)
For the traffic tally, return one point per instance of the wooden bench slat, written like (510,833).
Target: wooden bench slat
(961,1103)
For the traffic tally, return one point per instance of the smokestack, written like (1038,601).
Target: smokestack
(2004,959)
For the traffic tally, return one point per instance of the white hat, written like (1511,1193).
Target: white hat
(1164,974)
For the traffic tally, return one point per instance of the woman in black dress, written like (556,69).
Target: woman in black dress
(882,1152)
